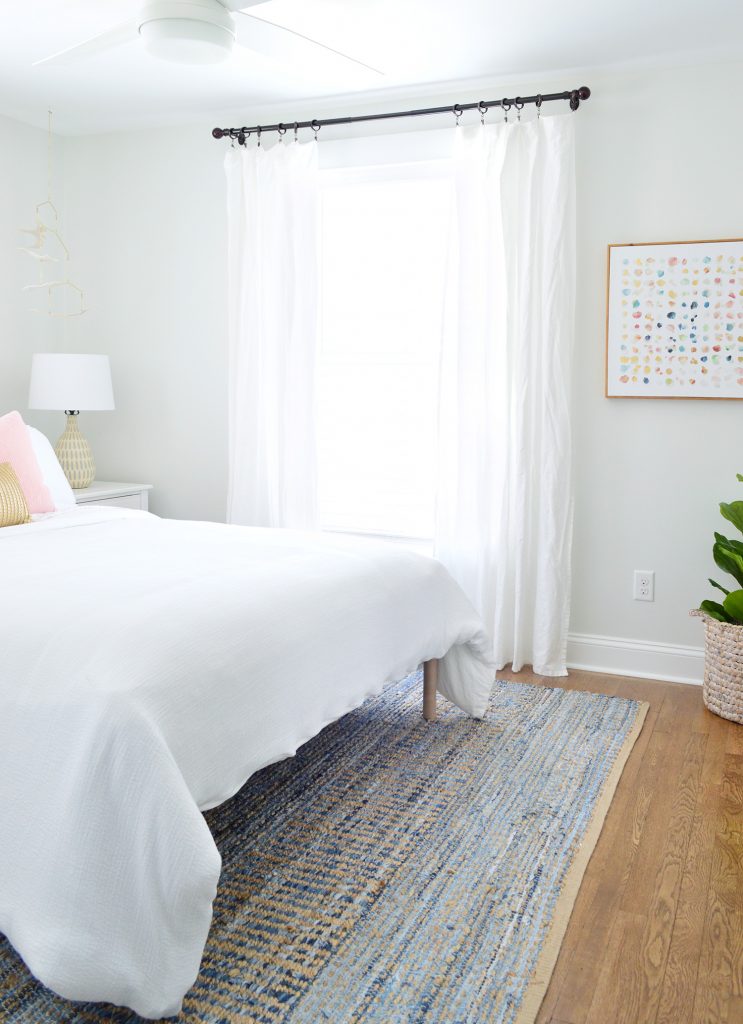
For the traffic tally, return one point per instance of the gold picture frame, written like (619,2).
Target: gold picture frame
(674,320)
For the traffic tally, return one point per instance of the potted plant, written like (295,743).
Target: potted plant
(723,622)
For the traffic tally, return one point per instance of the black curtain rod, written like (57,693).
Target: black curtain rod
(518,102)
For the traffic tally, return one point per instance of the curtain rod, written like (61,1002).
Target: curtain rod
(518,102)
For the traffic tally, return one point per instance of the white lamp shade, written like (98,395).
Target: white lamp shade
(74,382)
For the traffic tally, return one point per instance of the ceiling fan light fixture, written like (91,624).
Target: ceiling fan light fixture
(187,31)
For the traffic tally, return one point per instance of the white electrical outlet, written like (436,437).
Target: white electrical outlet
(644,588)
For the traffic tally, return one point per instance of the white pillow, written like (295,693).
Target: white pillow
(51,471)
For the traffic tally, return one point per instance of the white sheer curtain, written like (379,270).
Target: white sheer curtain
(504,519)
(272,207)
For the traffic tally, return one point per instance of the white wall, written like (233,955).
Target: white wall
(659,158)
(147,216)
(23,184)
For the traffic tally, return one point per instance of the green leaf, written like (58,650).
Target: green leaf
(734,545)
(719,587)
(714,610)
(733,512)
(740,477)
(728,559)
(733,605)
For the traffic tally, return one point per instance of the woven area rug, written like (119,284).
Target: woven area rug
(398,871)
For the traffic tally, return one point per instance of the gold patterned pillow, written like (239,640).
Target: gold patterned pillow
(13,507)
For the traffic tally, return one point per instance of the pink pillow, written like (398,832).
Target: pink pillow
(16,448)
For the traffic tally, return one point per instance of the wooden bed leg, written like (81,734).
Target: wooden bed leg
(430,678)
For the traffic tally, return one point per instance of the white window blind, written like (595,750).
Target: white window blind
(384,250)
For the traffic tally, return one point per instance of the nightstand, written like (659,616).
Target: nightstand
(102,492)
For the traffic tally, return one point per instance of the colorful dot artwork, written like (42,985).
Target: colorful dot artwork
(675,321)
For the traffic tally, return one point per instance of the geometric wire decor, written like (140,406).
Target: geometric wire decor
(62,297)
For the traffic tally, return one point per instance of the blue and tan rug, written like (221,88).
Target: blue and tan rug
(397,872)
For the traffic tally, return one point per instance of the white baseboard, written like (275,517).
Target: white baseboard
(618,656)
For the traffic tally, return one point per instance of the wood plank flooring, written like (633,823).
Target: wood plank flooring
(656,934)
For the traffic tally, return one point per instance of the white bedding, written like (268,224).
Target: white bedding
(148,668)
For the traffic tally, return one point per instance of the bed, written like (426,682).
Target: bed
(149,667)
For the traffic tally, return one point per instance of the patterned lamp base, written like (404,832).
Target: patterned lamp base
(75,454)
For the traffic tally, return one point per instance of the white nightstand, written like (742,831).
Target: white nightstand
(103,492)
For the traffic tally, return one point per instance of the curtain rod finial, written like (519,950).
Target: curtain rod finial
(217,133)
(584,92)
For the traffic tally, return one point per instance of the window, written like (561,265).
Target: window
(384,251)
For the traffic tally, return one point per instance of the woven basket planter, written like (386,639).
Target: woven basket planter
(723,667)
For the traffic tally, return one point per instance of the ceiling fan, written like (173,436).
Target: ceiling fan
(197,32)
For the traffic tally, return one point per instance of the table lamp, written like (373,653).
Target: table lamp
(71,383)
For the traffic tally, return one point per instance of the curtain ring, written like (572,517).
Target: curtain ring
(282,132)
(506,107)
(519,104)
(538,102)
(483,108)
(241,138)
(259,136)
(457,111)
(296,129)
(315,126)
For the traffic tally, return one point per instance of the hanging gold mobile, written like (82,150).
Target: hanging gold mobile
(47,248)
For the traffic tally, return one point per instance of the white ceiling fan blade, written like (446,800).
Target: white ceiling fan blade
(284,44)
(90,47)
(239,5)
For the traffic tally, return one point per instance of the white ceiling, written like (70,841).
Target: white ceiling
(415,43)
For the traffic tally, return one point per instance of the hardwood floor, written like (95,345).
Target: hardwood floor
(656,934)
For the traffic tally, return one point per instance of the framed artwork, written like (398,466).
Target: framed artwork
(674,320)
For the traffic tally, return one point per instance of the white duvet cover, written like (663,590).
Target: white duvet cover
(148,668)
